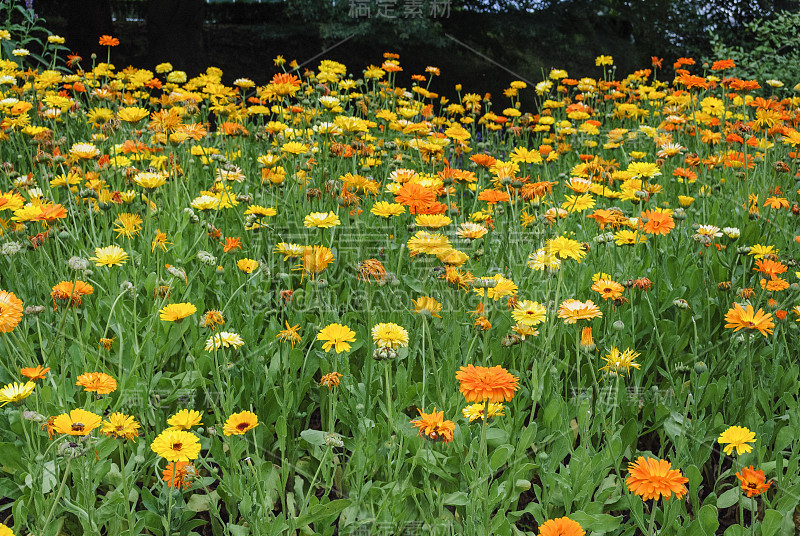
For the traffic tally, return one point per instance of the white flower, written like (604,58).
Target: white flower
(225,339)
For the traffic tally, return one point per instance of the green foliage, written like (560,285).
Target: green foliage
(767,48)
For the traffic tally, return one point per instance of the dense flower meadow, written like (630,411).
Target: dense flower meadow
(339,303)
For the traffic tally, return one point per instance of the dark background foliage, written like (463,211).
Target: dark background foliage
(483,44)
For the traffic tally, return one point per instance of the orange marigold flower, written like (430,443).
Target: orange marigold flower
(10,311)
(97,382)
(562,526)
(70,292)
(651,478)
(107,40)
(35,373)
(433,426)
(753,481)
(177,474)
(746,318)
(608,289)
(231,244)
(657,222)
(494,384)
(493,196)
(414,197)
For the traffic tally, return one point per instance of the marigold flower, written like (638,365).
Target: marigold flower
(475,411)
(608,289)
(77,422)
(109,256)
(529,313)
(97,382)
(10,311)
(330,380)
(433,426)
(290,334)
(176,445)
(336,336)
(618,362)
(178,474)
(224,339)
(108,41)
(494,384)
(185,419)
(239,423)
(14,392)
(651,478)
(315,260)
(562,526)
(247,265)
(121,426)
(427,305)
(389,335)
(573,310)
(746,318)
(70,292)
(35,373)
(736,437)
(753,481)
(175,312)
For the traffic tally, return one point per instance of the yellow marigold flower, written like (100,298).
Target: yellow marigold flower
(121,426)
(389,335)
(132,114)
(239,423)
(175,312)
(14,392)
(322,220)
(736,437)
(427,305)
(185,419)
(77,422)
(475,411)
(176,446)
(247,265)
(336,336)
(109,256)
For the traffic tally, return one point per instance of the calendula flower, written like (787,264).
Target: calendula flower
(565,248)
(176,445)
(427,305)
(322,220)
(475,411)
(247,265)
(160,241)
(433,426)
(97,382)
(336,336)
(389,335)
(747,318)
(315,260)
(77,422)
(70,292)
(618,362)
(494,384)
(175,312)
(651,478)
(239,423)
(185,419)
(608,289)
(330,380)
(10,311)
(290,334)
(753,481)
(178,474)
(573,310)
(4,530)
(35,373)
(14,392)
(109,256)
(224,339)
(121,426)
(736,437)
(562,526)
(529,313)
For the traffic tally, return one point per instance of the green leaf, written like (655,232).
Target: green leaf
(771,523)
(596,523)
(457,498)
(314,437)
(728,499)
(500,456)
(321,511)
(709,520)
